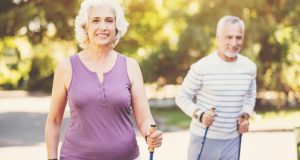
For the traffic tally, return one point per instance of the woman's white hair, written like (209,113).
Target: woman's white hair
(82,19)
(229,19)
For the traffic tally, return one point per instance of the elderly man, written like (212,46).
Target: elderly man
(226,82)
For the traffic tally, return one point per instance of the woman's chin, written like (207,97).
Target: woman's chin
(103,43)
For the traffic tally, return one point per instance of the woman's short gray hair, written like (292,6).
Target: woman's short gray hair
(229,19)
(82,19)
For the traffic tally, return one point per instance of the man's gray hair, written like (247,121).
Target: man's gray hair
(229,19)
(82,19)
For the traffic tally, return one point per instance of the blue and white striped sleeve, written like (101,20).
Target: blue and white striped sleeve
(191,84)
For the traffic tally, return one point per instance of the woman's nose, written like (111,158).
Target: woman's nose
(102,26)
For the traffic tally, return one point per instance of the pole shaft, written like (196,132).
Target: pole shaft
(203,142)
(151,149)
(240,145)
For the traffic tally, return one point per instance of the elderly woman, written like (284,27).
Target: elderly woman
(102,87)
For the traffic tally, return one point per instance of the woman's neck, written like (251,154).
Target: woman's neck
(98,53)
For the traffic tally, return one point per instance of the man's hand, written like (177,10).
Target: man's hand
(208,117)
(243,123)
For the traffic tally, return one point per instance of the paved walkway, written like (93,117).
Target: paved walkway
(22,122)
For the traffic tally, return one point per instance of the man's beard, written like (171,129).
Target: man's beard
(230,55)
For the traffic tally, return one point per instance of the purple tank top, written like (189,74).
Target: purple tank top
(100,127)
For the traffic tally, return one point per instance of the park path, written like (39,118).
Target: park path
(22,122)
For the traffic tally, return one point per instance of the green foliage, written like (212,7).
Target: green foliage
(165,36)
(42,69)
(38,21)
(33,17)
(14,64)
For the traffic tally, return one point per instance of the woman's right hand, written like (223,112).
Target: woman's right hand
(154,139)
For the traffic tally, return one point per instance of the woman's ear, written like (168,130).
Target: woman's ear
(84,26)
(117,31)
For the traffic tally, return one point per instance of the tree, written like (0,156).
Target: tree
(38,22)
(166,37)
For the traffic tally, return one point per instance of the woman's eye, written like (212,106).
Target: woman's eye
(110,20)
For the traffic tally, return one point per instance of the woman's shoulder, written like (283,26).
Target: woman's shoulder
(64,65)
(64,70)
(131,62)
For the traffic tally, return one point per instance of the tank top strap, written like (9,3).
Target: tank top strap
(78,70)
(73,61)
(122,60)
(74,64)
(121,66)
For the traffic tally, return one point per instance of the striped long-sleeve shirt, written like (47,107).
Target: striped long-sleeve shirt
(230,87)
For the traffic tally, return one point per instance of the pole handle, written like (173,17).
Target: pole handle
(213,109)
(152,129)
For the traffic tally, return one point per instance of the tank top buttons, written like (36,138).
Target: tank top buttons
(102,94)
(104,97)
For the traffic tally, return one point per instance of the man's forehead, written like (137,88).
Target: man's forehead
(230,28)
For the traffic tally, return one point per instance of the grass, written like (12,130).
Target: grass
(279,119)
(295,113)
(299,152)
(174,116)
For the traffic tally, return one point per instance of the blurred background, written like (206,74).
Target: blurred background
(165,37)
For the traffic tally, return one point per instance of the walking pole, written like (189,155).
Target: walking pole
(240,144)
(241,136)
(151,149)
(204,137)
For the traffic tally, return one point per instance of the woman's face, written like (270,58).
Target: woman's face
(101,26)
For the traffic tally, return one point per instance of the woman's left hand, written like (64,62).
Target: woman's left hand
(154,139)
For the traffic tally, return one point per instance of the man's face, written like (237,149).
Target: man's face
(230,40)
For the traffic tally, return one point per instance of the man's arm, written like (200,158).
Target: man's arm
(249,101)
(191,84)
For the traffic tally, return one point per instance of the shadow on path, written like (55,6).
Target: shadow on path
(23,128)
